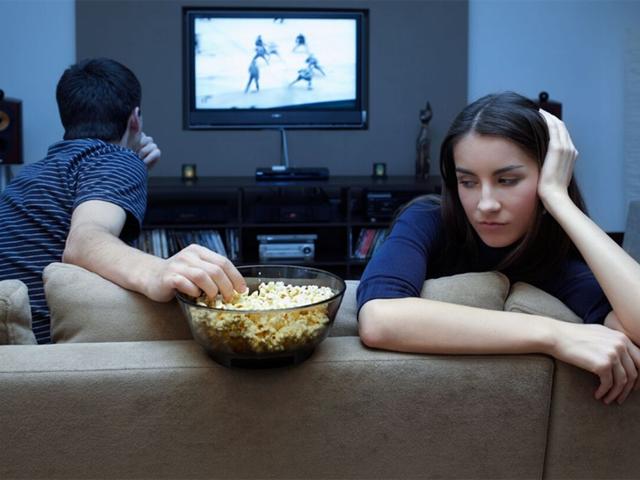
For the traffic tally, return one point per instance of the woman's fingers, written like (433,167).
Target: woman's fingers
(632,376)
(618,376)
(604,351)
(551,126)
(606,382)
(634,353)
(557,167)
(564,135)
(558,132)
(619,382)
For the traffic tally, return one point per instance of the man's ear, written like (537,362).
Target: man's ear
(135,121)
(132,134)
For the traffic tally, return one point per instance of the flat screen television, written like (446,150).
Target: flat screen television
(275,68)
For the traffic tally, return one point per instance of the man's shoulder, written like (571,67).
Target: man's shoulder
(77,150)
(93,153)
(87,147)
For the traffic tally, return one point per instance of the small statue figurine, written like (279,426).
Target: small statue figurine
(423,144)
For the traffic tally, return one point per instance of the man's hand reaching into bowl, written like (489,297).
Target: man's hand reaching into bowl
(193,271)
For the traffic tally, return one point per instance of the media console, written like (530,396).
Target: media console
(346,216)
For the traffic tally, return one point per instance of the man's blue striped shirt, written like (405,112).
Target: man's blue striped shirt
(36,209)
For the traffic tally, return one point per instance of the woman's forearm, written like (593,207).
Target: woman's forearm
(617,273)
(426,326)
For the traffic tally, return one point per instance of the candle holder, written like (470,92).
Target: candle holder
(189,171)
(379,170)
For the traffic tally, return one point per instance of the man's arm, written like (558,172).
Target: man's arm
(93,244)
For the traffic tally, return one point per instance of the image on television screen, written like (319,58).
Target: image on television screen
(271,63)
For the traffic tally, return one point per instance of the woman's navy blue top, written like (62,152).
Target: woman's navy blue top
(407,258)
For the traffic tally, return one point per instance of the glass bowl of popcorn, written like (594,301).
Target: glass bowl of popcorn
(284,314)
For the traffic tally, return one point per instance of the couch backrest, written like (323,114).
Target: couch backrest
(85,307)
(165,410)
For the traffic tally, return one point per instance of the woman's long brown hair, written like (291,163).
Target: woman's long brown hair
(538,254)
(545,245)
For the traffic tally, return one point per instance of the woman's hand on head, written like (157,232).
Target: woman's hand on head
(559,162)
(603,351)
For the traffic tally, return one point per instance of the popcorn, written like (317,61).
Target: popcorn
(265,328)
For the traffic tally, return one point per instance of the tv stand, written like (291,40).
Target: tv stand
(347,215)
(285,172)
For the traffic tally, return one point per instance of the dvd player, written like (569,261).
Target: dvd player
(278,172)
(287,247)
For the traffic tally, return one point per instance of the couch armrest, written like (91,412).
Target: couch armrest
(15,314)
(588,439)
(164,410)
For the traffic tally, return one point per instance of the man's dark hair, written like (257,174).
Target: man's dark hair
(95,99)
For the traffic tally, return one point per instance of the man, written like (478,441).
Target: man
(304,74)
(254,76)
(301,42)
(312,62)
(86,199)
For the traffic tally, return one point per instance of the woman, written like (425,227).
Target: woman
(509,203)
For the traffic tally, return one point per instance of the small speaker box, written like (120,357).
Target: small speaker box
(10,131)
(554,108)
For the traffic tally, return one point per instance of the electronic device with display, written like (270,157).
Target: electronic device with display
(275,68)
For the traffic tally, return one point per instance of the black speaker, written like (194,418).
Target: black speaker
(554,108)
(10,130)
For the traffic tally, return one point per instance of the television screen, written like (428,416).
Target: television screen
(254,68)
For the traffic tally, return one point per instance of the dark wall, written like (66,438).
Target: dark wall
(418,52)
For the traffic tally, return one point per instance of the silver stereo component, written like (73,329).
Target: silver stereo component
(287,247)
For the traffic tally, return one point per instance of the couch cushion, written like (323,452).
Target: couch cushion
(475,289)
(15,314)
(525,298)
(85,307)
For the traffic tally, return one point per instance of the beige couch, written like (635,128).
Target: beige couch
(96,406)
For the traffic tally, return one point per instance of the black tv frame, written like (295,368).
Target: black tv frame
(293,117)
